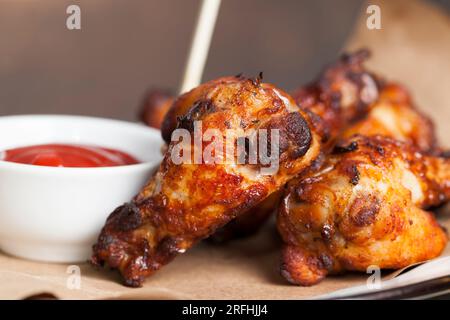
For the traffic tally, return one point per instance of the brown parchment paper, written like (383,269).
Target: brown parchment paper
(413,47)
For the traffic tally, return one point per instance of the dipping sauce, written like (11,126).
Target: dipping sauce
(67,155)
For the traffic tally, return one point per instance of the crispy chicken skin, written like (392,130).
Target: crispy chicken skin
(364,207)
(395,116)
(184,203)
(154,107)
(152,112)
(342,94)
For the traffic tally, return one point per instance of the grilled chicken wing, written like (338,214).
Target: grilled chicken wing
(364,207)
(393,115)
(152,112)
(184,202)
(342,94)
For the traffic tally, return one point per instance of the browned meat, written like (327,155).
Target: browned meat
(184,203)
(154,107)
(366,206)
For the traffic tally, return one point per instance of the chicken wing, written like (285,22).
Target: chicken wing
(186,202)
(364,207)
(343,93)
(329,218)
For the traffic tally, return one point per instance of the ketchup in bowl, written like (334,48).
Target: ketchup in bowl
(67,155)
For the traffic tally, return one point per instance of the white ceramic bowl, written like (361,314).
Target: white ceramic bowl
(55,214)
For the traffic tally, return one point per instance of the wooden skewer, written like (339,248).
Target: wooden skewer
(200,44)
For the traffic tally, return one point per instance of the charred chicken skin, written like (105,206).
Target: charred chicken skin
(366,206)
(393,115)
(184,203)
(152,112)
(341,95)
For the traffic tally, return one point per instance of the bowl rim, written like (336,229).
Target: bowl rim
(77,170)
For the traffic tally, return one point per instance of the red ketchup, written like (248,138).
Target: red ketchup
(66,155)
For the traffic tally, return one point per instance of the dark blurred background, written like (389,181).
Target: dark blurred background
(126,47)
